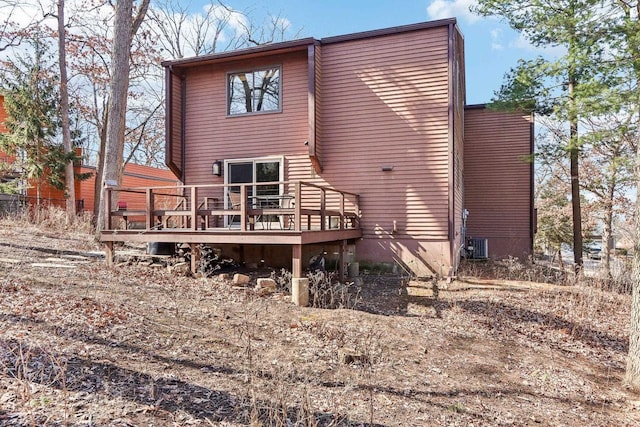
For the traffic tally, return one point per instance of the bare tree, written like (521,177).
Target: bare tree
(64,110)
(125,27)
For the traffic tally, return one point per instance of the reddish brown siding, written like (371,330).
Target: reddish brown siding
(498,180)
(385,102)
(212,135)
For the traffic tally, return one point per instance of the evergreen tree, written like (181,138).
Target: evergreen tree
(565,88)
(31,104)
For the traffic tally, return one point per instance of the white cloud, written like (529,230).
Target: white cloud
(496,39)
(234,19)
(440,9)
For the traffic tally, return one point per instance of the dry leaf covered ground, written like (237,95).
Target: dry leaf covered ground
(82,344)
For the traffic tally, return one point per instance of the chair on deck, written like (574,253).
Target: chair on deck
(234,204)
(287,202)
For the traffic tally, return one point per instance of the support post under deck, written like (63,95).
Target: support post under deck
(296,261)
(108,253)
(195,257)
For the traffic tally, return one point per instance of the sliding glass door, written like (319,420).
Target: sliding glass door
(255,172)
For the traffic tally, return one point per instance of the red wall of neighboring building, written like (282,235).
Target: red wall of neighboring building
(4,158)
(134,176)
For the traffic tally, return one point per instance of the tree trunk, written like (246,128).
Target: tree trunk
(118,88)
(97,186)
(632,373)
(574,152)
(64,109)
(124,29)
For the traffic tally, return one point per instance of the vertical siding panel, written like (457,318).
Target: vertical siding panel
(498,180)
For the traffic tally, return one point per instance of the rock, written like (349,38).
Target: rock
(266,284)
(264,291)
(240,279)
(348,356)
(181,268)
(223,277)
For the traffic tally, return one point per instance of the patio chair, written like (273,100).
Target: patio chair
(234,204)
(287,202)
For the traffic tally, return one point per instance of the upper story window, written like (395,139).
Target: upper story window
(254,91)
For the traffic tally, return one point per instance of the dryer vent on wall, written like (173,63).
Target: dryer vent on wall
(478,248)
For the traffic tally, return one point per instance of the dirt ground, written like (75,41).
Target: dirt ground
(139,345)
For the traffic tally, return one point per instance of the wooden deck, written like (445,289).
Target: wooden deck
(276,213)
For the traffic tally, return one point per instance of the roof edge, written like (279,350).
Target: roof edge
(301,43)
(389,31)
(260,49)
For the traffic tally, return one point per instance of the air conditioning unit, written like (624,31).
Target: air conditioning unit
(478,248)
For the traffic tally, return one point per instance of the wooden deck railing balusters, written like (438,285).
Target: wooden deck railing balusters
(297,218)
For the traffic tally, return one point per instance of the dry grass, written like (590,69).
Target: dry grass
(140,346)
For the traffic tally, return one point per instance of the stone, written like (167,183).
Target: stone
(266,283)
(181,268)
(223,277)
(300,291)
(241,279)
(264,291)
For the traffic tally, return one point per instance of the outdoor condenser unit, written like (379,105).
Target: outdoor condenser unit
(479,248)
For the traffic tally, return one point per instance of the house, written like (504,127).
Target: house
(363,141)
(133,176)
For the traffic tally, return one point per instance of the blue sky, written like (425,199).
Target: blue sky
(491,47)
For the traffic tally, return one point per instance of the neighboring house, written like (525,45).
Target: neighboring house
(380,114)
(133,176)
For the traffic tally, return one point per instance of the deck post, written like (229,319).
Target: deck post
(243,207)
(194,208)
(107,208)
(195,257)
(342,219)
(323,208)
(296,261)
(149,209)
(108,253)
(298,208)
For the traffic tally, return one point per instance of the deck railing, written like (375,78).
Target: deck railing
(282,205)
